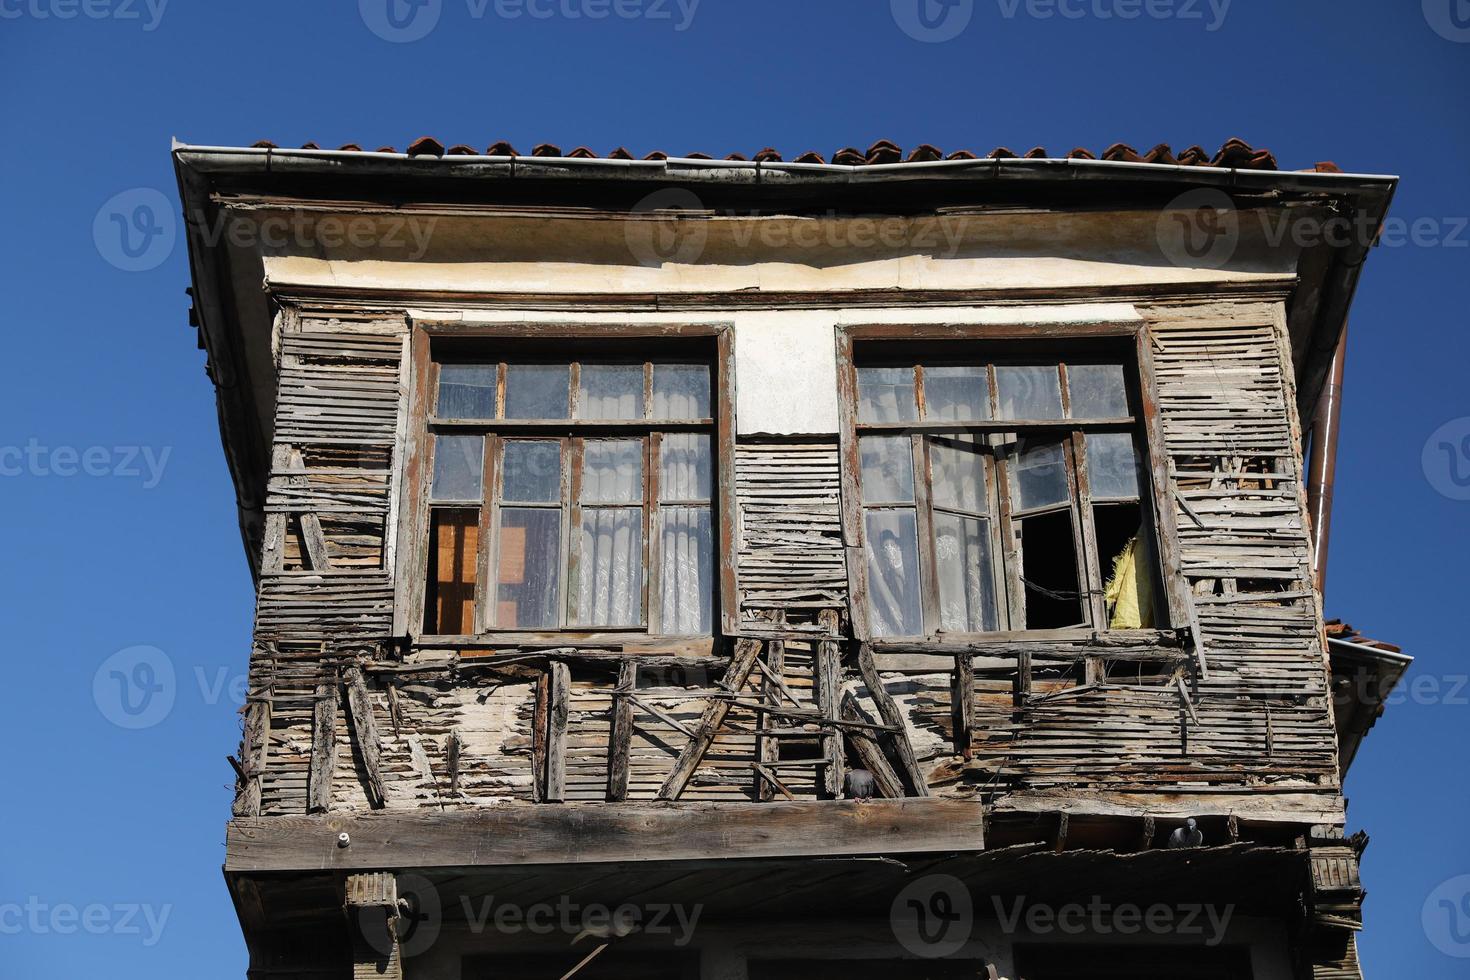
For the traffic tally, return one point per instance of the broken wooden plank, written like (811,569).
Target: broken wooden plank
(768,748)
(889,711)
(741,664)
(828,678)
(323,748)
(962,704)
(365,730)
(254,751)
(313,540)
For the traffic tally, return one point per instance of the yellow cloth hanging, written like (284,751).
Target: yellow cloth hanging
(1130,591)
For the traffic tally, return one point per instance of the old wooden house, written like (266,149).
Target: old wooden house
(748,568)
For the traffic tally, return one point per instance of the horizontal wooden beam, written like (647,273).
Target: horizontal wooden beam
(568,835)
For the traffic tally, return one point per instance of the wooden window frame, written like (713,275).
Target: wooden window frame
(411,565)
(1157,509)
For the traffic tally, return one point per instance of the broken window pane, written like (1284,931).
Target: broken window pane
(528,570)
(887,469)
(1041,477)
(893,573)
(886,394)
(1049,572)
(466,391)
(459,467)
(610,391)
(688,571)
(1097,391)
(958,471)
(685,471)
(956,393)
(1112,465)
(612,471)
(537,391)
(610,567)
(966,586)
(1028,392)
(681,391)
(532,472)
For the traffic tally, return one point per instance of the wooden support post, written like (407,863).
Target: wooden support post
(1150,828)
(541,712)
(829,700)
(323,748)
(254,749)
(889,711)
(360,709)
(621,742)
(1022,690)
(1064,825)
(865,746)
(962,703)
(371,905)
(556,732)
(768,747)
(741,664)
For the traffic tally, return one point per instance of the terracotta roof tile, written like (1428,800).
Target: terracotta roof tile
(1235,154)
(1338,630)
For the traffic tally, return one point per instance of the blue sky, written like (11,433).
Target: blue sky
(119,528)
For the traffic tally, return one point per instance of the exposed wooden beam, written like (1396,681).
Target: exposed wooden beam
(556,732)
(962,702)
(360,710)
(522,836)
(829,700)
(323,748)
(741,664)
(621,741)
(868,751)
(891,714)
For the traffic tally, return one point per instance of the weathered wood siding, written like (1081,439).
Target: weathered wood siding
(1139,712)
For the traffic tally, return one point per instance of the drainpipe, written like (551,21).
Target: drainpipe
(1322,468)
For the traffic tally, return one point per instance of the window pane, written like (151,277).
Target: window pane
(956,394)
(532,472)
(454,537)
(466,391)
(688,571)
(1041,477)
(1097,391)
(529,568)
(537,391)
(610,570)
(610,391)
(887,469)
(886,394)
(685,472)
(681,391)
(958,470)
(1112,465)
(459,467)
(893,573)
(1029,393)
(612,471)
(966,578)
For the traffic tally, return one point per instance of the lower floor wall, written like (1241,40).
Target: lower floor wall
(1069,943)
